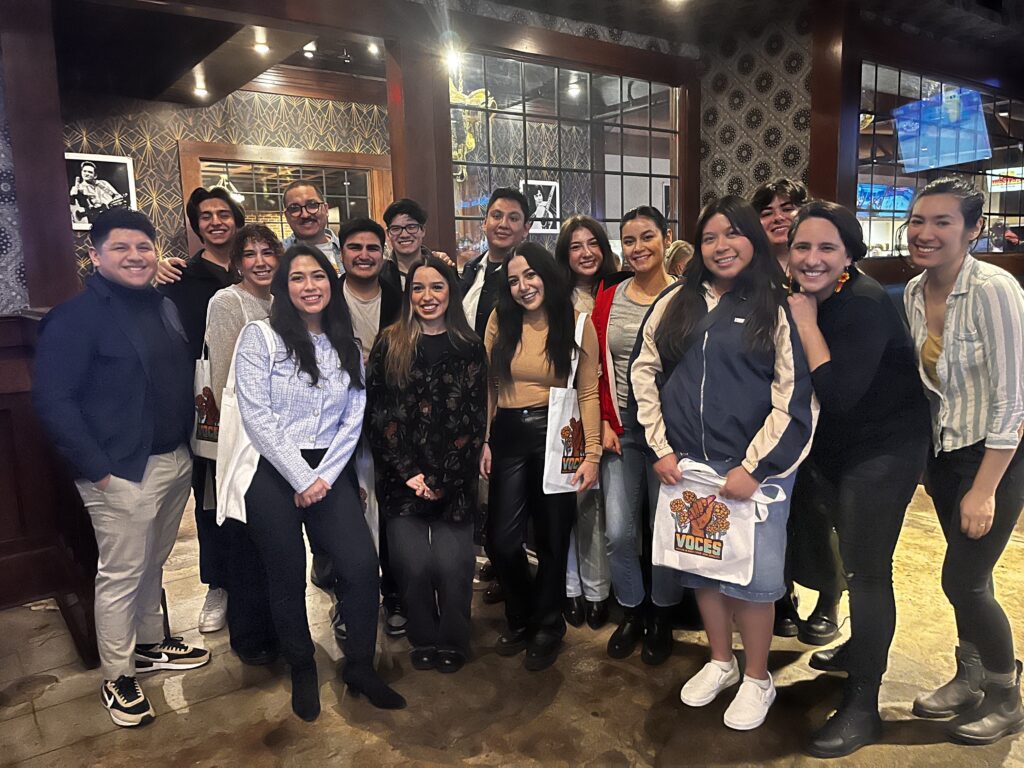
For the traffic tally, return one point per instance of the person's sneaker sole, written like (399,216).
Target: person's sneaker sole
(144,667)
(143,719)
(729,682)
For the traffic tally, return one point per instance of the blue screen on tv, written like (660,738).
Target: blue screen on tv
(884,199)
(943,130)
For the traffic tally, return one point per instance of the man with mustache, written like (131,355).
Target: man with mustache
(306,213)
(215,217)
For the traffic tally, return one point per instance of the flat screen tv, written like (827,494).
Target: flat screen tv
(884,199)
(943,130)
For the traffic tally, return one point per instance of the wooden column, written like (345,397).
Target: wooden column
(37,143)
(420,125)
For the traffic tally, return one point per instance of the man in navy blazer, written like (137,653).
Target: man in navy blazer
(113,388)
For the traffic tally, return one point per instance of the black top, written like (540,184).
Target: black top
(432,348)
(200,279)
(870,391)
(488,296)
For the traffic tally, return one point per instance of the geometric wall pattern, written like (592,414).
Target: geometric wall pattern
(755,108)
(13,292)
(148,132)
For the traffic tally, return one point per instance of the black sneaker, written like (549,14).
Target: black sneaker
(171,653)
(127,704)
(394,617)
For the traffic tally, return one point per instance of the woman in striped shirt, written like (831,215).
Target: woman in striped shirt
(967,319)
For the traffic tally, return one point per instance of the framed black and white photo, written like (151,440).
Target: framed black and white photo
(97,183)
(543,197)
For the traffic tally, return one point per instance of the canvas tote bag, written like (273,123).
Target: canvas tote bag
(207,421)
(237,457)
(565,446)
(697,531)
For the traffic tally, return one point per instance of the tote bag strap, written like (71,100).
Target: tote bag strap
(766,493)
(268,337)
(578,338)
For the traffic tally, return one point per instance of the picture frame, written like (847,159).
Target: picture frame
(546,204)
(97,183)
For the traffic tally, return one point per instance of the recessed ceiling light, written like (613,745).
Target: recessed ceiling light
(202,93)
(261,48)
(308,54)
(373,48)
(309,49)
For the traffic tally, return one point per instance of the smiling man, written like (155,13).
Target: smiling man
(406,224)
(306,213)
(777,202)
(113,388)
(506,224)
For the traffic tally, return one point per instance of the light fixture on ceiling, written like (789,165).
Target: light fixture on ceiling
(346,56)
(374,49)
(260,41)
(202,93)
(200,86)
(573,91)
(309,49)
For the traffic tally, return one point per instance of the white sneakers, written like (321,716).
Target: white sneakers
(214,615)
(750,707)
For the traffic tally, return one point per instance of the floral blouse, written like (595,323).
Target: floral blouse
(434,425)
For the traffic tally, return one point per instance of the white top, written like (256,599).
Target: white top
(365,319)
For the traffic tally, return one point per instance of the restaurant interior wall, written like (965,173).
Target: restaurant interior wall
(13,291)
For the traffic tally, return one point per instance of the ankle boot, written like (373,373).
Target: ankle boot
(855,724)
(960,694)
(999,714)
(623,641)
(821,627)
(833,659)
(305,693)
(787,619)
(364,681)
(657,637)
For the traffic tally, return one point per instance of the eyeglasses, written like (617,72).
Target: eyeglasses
(413,229)
(311,206)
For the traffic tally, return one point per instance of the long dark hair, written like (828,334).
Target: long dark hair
(335,318)
(557,307)
(403,335)
(609,264)
(760,283)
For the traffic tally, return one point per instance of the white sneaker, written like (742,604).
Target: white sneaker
(703,687)
(214,615)
(750,707)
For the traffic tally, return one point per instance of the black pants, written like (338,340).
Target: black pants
(516,497)
(250,623)
(867,499)
(812,547)
(338,527)
(213,542)
(967,568)
(433,561)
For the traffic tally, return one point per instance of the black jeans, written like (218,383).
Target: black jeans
(338,527)
(213,542)
(516,497)
(967,568)
(250,623)
(868,498)
(433,561)
(812,547)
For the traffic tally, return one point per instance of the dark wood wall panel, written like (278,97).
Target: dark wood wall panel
(319,84)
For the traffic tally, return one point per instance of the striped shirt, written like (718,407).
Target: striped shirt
(980,394)
(283,415)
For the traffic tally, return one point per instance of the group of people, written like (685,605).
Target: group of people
(773,365)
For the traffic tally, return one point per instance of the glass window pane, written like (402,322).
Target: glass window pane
(541,142)
(507,177)
(357,182)
(605,98)
(471,189)
(867,87)
(469,135)
(358,207)
(469,240)
(506,143)
(469,76)
(636,100)
(635,191)
(540,89)
(611,196)
(574,145)
(664,148)
(573,94)
(664,105)
(663,197)
(607,148)
(636,150)
(505,84)
(577,195)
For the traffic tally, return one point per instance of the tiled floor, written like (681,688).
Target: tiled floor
(587,710)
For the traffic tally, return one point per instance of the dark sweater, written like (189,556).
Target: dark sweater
(870,391)
(191,295)
(113,380)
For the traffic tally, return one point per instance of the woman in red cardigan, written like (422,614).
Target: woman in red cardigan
(626,475)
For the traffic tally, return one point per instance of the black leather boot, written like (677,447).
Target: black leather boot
(305,693)
(574,611)
(961,694)
(821,627)
(855,724)
(831,659)
(657,637)
(998,715)
(623,641)
(597,614)
(787,620)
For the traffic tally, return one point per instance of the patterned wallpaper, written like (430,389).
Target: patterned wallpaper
(755,108)
(13,292)
(148,132)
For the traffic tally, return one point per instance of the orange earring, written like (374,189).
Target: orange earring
(842,280)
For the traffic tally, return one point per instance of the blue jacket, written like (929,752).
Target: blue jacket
(91,387)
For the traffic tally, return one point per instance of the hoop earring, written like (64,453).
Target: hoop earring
(842,280)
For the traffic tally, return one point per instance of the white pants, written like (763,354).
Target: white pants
(136,525)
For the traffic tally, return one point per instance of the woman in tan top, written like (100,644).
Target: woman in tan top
(529,342)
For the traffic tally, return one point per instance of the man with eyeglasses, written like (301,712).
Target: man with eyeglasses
(306,213)
(405,221)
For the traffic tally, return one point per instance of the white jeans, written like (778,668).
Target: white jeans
(135,526)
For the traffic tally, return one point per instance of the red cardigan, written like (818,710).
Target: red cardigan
(602,311)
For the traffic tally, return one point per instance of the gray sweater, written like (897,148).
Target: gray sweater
(230,309)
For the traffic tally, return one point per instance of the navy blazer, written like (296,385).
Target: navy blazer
(90,385)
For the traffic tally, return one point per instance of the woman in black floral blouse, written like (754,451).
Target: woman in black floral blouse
(426,413)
